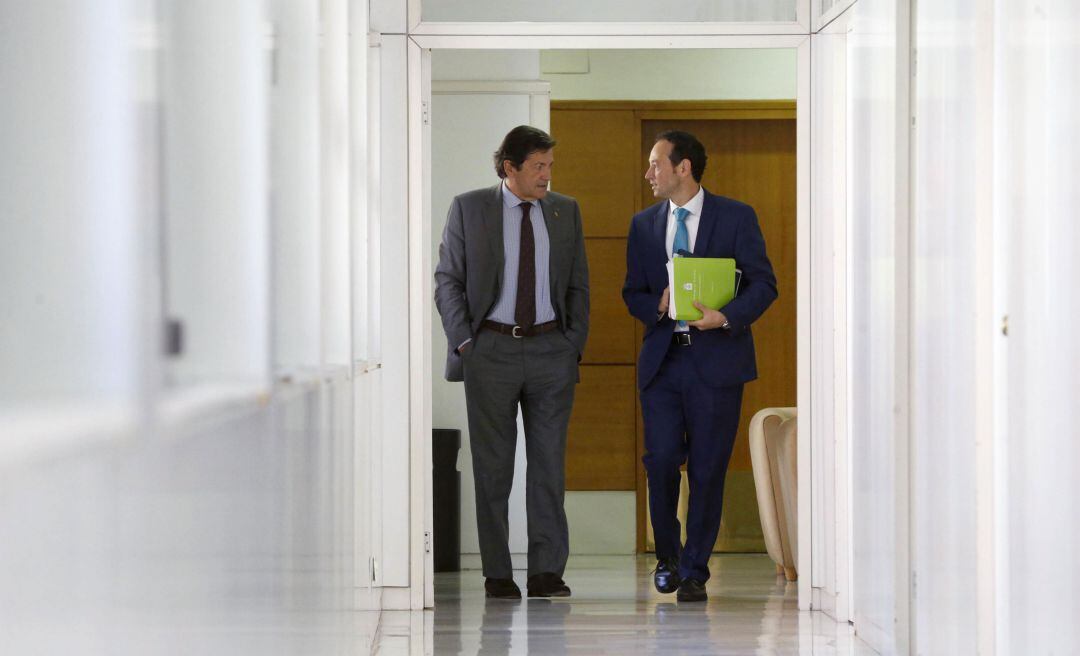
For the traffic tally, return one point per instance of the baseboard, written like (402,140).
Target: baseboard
(397,599)
(825,601)
(873,635)
(367,599)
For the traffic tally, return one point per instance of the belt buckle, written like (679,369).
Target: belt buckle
(515,332)
(683,339)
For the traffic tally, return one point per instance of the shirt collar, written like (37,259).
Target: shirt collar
(511,200)
(693,205)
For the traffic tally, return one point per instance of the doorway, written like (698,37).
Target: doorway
(423,216)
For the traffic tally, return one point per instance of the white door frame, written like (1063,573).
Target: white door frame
(419,44)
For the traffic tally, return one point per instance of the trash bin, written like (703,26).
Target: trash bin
(446,504)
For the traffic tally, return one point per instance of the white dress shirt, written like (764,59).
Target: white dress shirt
(692,219)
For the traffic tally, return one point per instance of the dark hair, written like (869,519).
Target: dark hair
(518,144)
(685,146)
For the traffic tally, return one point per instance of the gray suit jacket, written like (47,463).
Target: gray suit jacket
(468,278)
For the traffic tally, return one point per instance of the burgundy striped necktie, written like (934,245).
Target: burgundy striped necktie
(525,309)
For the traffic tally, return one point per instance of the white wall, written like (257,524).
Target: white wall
(830,450)
(389,339)
(165,507)
(993,453)
(67,310)
(951,229)
(662,74)
(1038,487)
(874,254)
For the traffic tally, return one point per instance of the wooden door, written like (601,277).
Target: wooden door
(600,160)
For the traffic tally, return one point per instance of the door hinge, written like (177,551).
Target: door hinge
(427,541)
(373,566)
(1005,325)
(425,111)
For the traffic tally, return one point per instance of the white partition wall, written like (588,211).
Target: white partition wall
(1036,155)
(877,295)
(143,174)
(70,239)
(951,330)
(215,163)
(335,176)
(294,185)
(392,337)
(830,491)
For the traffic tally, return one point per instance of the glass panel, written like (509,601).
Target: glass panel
(569,11)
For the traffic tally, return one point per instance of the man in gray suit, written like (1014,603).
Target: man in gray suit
(512,286)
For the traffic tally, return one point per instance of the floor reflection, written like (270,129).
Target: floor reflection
(614,610)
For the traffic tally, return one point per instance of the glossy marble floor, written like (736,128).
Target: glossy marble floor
(615,610)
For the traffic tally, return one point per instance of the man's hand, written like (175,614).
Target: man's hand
(662,308)
(712,319)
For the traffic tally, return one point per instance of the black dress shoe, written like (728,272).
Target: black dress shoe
(547,584)
(666,575)
(692,590)
(501,589)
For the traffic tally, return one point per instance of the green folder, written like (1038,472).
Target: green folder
(710,280)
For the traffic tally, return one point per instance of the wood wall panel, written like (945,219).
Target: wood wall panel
(611,328)
(600,450)
(596,162)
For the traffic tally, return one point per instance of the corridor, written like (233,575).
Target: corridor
(614,610)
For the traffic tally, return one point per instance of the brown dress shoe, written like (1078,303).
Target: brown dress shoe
(547,584)
(501,589)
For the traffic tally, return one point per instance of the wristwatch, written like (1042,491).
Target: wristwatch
(725,325)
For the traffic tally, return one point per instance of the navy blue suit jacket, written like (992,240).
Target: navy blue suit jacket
(727,228)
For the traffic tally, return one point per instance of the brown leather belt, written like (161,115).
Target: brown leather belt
(518,331)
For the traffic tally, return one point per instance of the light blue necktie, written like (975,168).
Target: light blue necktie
(682,236)
(681,243)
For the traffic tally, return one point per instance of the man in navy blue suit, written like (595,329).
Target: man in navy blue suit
(691,374)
